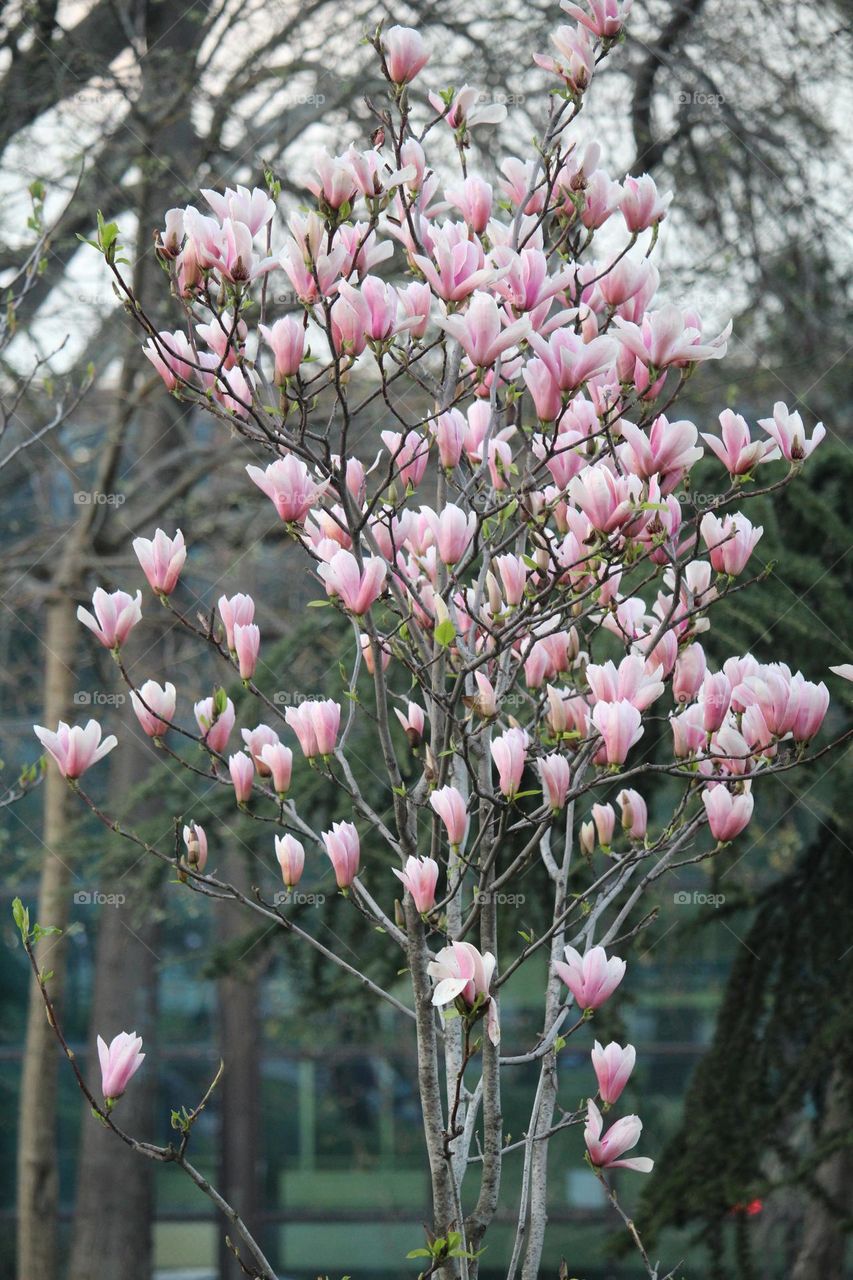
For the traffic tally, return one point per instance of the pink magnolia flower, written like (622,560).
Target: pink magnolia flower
(288,484)
(728,814)
(448,802)
(73,748)
(620,725)
(556,776)
(253,208)
(119,1064)
(453,531)
(789,433)
(575,60)
(613,1067)
(256,739)
(604,817)
(513,571)
(666,337)
(242,771)
(509,752)
(172,357)
(730,541)
(480,333)
(162,560)
(667,451)
(461,972)
(286,339)
(485,702)
(715,700)
(630,681)
(604,18)
(357,588)
(463,112)
(737,451)
(451,429)
(473,198)
(635,815)
(420,877)
(456,266)
(116,614)
(689,672)
(154,707)
(405,53)
(215,726)
(343,848)
(316,726)
(195,842)
(238,610)
(591,978)
(607,500)
(606,1152)
(812,706)
(410,454)
(291,859)
(571,360)
(247,643)
(412,720)
(688,731)
(641,205)
(278,760)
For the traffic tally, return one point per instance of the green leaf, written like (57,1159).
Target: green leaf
(21,916)
(445,633)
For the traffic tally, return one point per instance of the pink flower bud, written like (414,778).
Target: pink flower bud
(343,848)
(255,740)
(556,776)
(162,560)
(413,723)
(728,814)
(154,707)
(119,1064)
(405,53)
(604,817)
(288,484)
(316,726)
(215,727)
(291,859)
(509,752)
(239,609)
(689,673)
(247,643)
(116,614)
(635,817)
(620,726)
(420,877)
(195,841)
(242,772)
(715,701)
(357,588)
(277,759)
(613,1067)
(286,338)
(449,804)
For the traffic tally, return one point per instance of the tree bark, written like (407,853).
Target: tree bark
(38,1181)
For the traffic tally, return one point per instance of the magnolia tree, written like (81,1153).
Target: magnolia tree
(527,577)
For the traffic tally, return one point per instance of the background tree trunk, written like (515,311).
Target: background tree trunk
(38,1179)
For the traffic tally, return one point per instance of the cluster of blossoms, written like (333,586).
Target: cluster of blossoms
(523,566)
